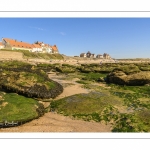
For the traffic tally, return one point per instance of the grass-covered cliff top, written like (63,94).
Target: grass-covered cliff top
(27,54)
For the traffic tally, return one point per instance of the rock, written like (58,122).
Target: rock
(135,79)
(101,79)
(16,82)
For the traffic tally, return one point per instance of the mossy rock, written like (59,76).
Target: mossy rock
(14,107)
(134,79)
(30,84)
(66,69)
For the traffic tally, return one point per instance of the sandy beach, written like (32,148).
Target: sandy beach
(53,122)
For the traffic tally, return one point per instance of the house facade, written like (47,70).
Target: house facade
(92,56)
(55,49)
(99,56)
(83,55)
(36,48)
(106,56)
(88,54)
(46,48)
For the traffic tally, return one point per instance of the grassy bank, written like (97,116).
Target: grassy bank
(30,55)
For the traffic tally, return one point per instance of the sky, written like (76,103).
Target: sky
(119,37)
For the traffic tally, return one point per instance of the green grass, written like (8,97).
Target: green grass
(93,76)
(33,76)
(28,54)
(14,64)
(26,79)
(85,105)
(127,108)
(19,108)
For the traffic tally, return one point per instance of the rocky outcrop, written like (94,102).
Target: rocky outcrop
(30,84)
(135,79)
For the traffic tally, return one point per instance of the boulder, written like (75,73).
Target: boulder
(135,79)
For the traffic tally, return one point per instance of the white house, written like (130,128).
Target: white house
(46,48)
(83,55)
(99,56)
(36,48)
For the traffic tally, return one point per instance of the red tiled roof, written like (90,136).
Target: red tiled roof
(15,43)
(54,48)
(1,43)
(36,46)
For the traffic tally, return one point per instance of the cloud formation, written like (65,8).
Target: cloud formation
(37,28)
(62,33)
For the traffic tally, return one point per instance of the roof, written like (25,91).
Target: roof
(36,46)
(82,54)
(15,43)
(54,48)
(38,42)
(88,52)
(105,54)
(45,45)
(1,44)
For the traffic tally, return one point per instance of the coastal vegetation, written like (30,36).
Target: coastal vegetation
(119,93)
(125,106)
(29,55)
(14,107)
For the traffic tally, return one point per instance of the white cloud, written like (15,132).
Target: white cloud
(37,28)
(62,33)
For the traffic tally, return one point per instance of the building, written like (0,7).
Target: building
(46,48)
(99,56)
(36,48)
(1,45)
(83,55)
(106,56)
(92,56)
(16,45)
(55,49)
(88,54)
(41,47)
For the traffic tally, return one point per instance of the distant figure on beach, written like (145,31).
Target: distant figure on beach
(101,63)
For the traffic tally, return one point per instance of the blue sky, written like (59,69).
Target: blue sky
(119,37)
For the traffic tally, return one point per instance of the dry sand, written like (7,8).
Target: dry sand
(52,122)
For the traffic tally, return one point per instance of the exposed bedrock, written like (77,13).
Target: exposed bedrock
(135,79)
